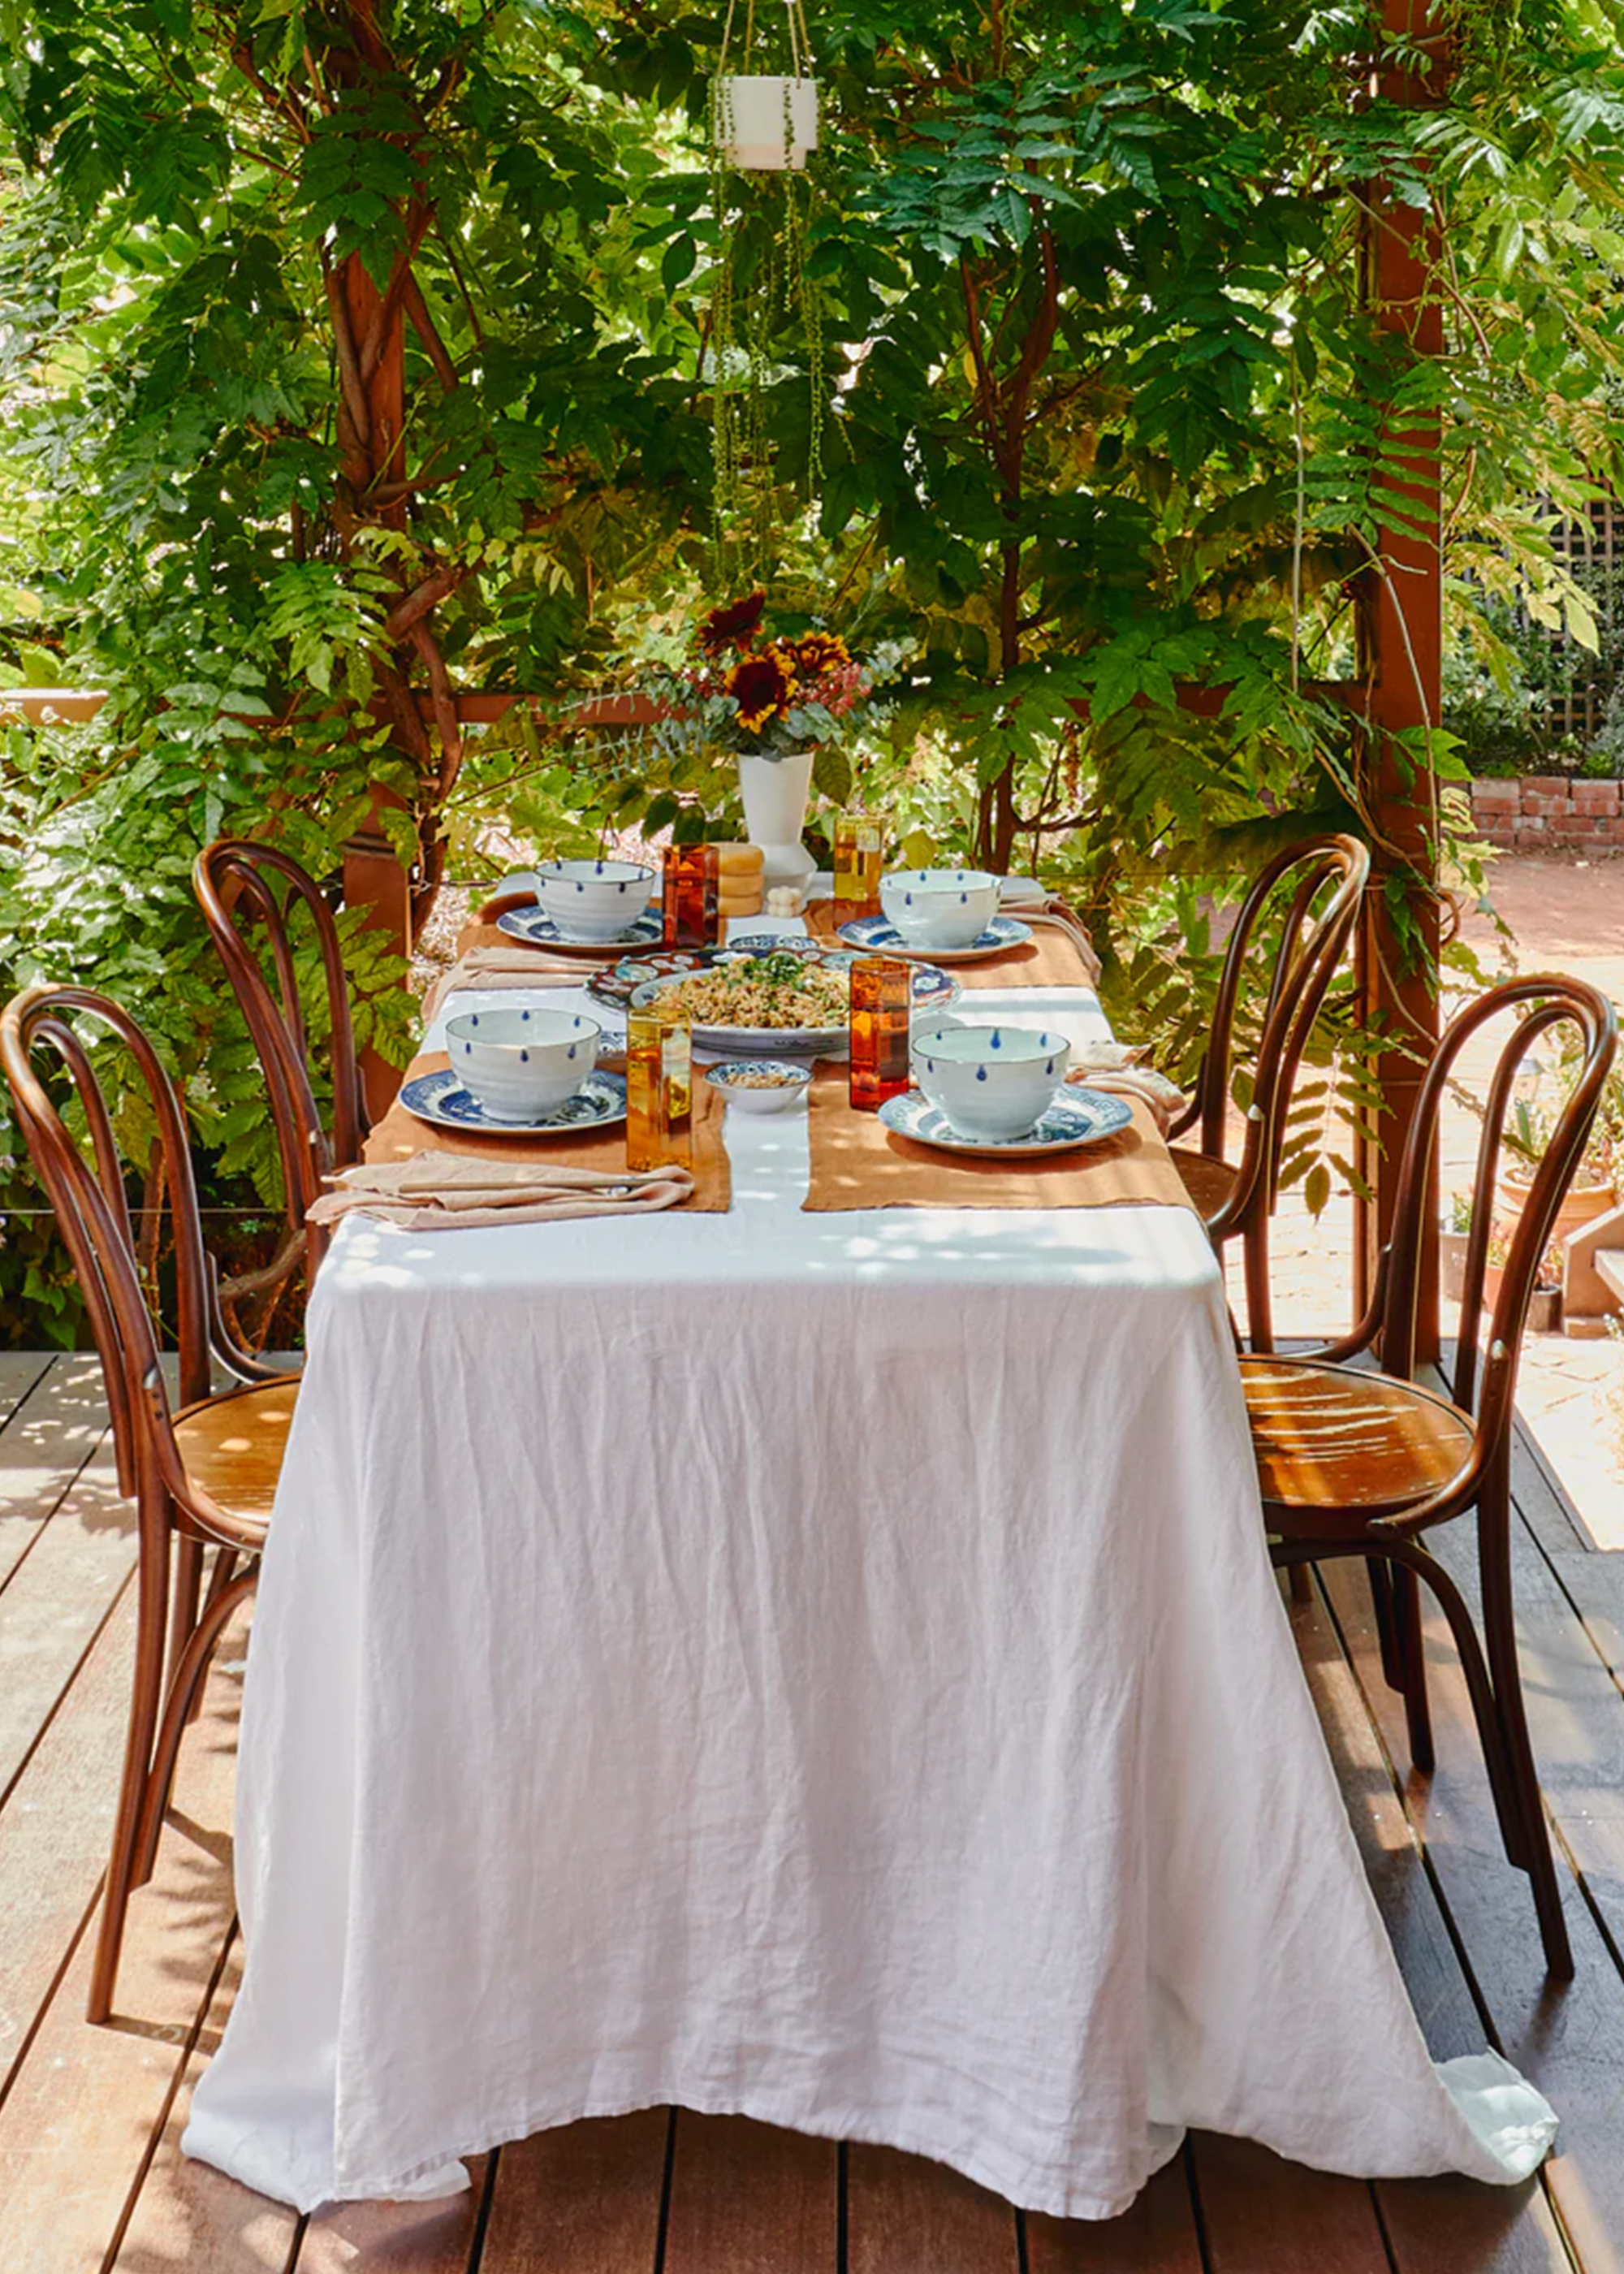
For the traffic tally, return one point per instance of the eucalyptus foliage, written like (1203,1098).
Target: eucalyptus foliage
(1104,419)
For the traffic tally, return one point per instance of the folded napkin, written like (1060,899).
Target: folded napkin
(1164,1099)
(440,1191)
(503,966)
(1065,919)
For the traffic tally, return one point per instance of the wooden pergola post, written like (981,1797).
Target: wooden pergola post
(374,877)
(1402,667)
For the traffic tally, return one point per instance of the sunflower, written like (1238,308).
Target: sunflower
(817,653)
(762,686)
(733,626)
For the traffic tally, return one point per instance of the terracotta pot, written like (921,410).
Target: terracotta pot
(1584,1203)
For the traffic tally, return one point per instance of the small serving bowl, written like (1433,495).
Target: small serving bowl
(522,1064)
(761,1085)
(593,899)
(939,908)
(991,1081)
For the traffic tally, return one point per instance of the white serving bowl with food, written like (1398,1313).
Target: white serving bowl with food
(593,899)
(521,1064)
(991,1081)
(761,1085)
(751,1006)
(939,908)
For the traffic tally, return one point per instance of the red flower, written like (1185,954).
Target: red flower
(761,685)
(734,626)
(818,653)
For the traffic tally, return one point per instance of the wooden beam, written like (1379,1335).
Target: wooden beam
(1400,624)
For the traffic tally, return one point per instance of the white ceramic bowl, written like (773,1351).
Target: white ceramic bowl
(939,908)
(775,1087)
(593,899)
(521,1064)
(992,1082)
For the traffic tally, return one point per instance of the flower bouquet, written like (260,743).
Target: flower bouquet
(785,705)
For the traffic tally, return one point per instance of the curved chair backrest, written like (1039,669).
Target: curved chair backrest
(1311,945)
(242,888)
(1546,1001)
(86,1185)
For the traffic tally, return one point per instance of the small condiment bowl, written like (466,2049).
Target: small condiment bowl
(593,899)
(761,1085)
(939,908)
(993,1081)
(521,1064)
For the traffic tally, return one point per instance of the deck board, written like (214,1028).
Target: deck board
(751,2199)
(587,2199)
(55,1831)
(1567,2038)
(85,2105)
(48,1438)
(905,2215)
(90,2173)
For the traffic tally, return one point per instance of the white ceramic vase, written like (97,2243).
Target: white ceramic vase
(775,793)
(752,115)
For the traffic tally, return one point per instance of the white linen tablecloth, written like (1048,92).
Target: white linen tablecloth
(821,1666)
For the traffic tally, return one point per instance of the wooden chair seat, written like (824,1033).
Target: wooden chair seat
(233,1446)
(1336,1449)
(1209,1181)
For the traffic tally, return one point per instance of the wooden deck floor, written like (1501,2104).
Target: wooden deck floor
(90,2175)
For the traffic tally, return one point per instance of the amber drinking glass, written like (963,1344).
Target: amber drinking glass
(692,892)
(859,857)
(659,1091)
(882,1004)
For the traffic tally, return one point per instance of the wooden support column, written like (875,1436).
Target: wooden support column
(1402,635)
(374,877)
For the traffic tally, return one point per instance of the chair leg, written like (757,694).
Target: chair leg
(1506,1673)
(1412,1668)
(1259,1295)
(152,1614)
(187,1588)
(1495,1685)
(225,1564)
(184,1691)
(1380,1576)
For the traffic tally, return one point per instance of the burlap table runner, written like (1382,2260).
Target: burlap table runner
(400,1134)
(1051,958)
(857,1163)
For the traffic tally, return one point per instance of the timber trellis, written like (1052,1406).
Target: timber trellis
(1398,689)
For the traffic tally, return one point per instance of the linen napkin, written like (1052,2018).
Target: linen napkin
(1063,918)
(441,1192)
(1162,1099)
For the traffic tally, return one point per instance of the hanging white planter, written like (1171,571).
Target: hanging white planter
(766,124)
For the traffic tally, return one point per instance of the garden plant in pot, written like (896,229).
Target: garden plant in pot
(786,706)
(1595,1191)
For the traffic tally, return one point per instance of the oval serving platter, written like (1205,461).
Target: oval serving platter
(934,989)
(442,1099)
(1082,1117)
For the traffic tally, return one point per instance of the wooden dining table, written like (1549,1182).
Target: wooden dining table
(819,1661)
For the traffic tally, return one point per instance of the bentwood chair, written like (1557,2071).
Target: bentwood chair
(244,888)
(1365,1464)
(202,1471)
(1235,1198)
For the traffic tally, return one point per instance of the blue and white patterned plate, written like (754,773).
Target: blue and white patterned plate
(1082,1117)
(537,930)
(873,936)
(442,1099)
